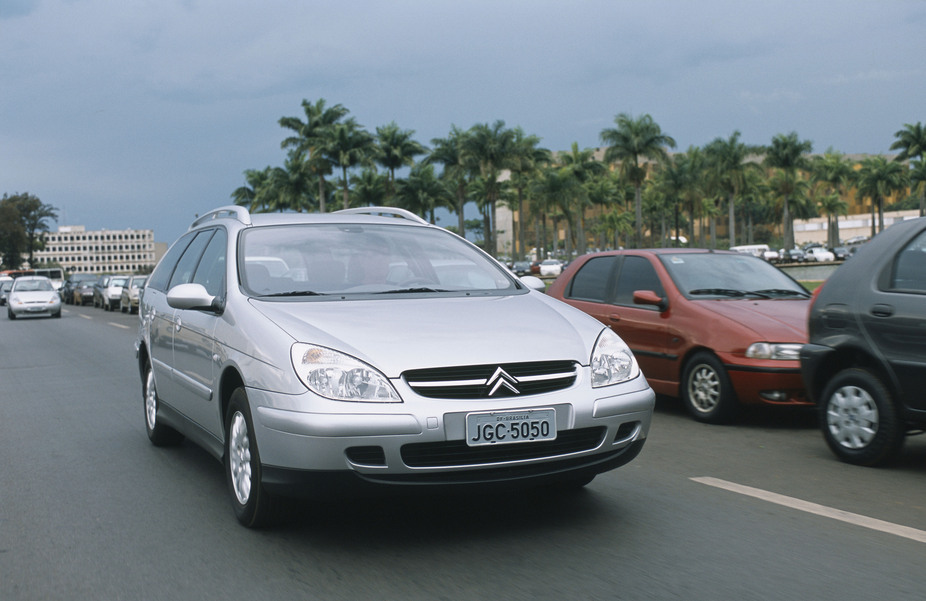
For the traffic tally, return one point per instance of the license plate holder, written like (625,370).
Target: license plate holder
(510,426)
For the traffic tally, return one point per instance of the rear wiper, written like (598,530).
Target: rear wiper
(784,292)
(403,290)
(727,292)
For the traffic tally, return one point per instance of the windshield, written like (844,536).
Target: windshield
(342,259)
(706,275)
(33,286)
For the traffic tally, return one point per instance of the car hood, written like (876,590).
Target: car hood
(399,334)
(37,296)
(777,320)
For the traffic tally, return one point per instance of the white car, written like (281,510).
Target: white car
(551,267)
(33,295)
(819,254)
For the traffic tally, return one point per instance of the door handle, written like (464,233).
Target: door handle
(177,325)
(614,317)
(881,310)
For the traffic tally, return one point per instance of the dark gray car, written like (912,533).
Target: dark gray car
(865,365)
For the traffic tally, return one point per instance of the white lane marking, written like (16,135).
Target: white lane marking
(821,510)
(84,316)
(118,325)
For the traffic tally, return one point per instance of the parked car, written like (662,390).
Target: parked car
(83,291)
(349,370)
(841,253)
(715,328)
(864,364)
(792,255)
(759,250)
(70,285)
(33,295)
(550,267)
(521,268)
(128,300)
(5,286)
(112,292)
(98,287)
(819,254)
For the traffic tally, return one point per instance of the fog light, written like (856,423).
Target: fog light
(777,396)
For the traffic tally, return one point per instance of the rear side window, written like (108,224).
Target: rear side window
(637,273)
(908,272)
(211,270)
(590,283)
(186,266)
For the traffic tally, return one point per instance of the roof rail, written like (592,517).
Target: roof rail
(234,211)
(385,212)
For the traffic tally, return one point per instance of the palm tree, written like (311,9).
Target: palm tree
(584,167)
(290,186)
(555,189)
(679,178)
(421,192)
(878,178)
(396,149)
(911,141)
(449,153)
(526,160)
(312,137)
(918,181)
(488,150)
(631,141)
(787,154)
(835,172)
(790,188)
(349,146)
(249,195)
(370,188)
(727,158)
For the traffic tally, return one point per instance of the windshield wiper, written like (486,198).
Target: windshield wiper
(296,293)
(784,292)
(727,292)
(403,290)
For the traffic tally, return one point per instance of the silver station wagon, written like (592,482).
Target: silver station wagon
(369,350)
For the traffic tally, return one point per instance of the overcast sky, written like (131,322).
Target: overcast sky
(141,114)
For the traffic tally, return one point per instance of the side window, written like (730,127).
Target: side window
(165,268)
(637,273)
(211,270)
(590,283)
(186,266)
(909,269)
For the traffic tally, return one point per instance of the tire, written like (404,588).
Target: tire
(159,434)
(859,419)
(706,390)
(253,506)
(122,307)
(10,314)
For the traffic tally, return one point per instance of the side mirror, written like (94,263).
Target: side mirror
(648,297)
(534,283)
(193,296)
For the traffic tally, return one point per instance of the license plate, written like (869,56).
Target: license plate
(507,427)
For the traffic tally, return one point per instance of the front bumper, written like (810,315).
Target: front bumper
(422,442)
(769,385)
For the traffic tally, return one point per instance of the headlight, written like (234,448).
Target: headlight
(341,377)
(769,350)
(612,362)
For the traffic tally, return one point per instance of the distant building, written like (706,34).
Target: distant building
(78,250)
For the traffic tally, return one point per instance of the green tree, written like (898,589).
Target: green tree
(584,168)
(526,159)
(728,160)
(33,217)
(251,195)
(629,142)
(349,146)
(877,179)
(312,137)
(911,141)
(370,188)
(787,154)
(488,150)
(396,148)
(422,191)
(448,152)
(680,180)
(834,172)
(555,189)
(918,181)
(12,234)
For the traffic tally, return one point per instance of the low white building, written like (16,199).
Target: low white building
(78,250)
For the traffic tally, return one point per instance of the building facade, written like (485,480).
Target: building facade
(78,250)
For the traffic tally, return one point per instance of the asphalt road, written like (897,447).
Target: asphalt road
(90,510)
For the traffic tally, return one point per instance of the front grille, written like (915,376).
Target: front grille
(456,452)
(492,381)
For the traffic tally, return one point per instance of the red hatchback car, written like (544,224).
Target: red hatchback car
(714,328)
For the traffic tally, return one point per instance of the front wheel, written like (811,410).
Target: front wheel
(706,390)
(253,506)
(859,419)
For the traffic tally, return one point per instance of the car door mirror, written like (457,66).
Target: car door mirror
(533,282)
(193,296)
(648,297)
